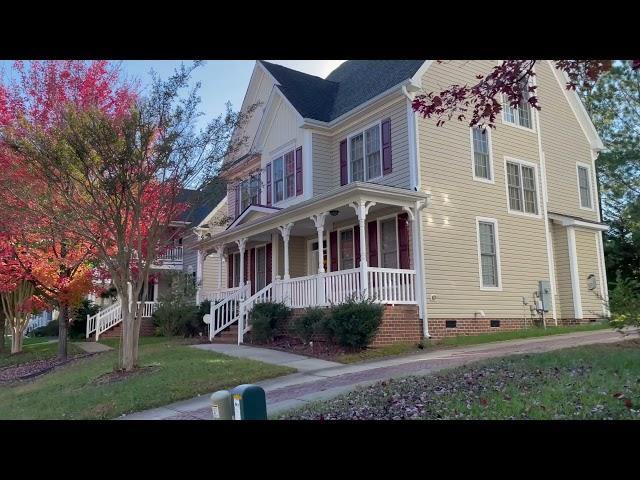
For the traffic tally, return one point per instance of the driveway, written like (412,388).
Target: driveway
(330,379)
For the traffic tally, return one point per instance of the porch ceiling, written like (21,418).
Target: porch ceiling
(299,214)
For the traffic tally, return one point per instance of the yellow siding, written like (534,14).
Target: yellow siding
(588,263)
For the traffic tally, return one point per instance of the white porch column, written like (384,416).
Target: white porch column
(318,220)
(418,263)
(285,231)
(362,208)
(220,253)
(241,246)
(575,274)
(199,267)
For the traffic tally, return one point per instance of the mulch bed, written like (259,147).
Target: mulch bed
(317,349)
(119,375)
(33,369)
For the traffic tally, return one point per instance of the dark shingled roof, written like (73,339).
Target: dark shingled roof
(202,201)
(351,84)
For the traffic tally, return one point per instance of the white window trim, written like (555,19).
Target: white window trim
(589,176)
(516,124)
(537,182)
(498,262)
(364,158)
(290,146)
(491,180)
(379,233)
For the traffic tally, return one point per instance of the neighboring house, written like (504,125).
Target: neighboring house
(342,189)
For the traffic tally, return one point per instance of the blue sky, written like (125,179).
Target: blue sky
(222,80)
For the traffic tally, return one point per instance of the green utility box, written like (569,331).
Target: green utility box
(222,405)
(249,403)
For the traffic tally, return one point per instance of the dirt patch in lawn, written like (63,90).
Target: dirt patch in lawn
(33,369)
(119,375)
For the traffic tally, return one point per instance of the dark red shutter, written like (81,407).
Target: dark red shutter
(386,146)
(268,184)
(344,171)
(356,242)
(289,165)
(299,171)
(333,246)
(372,227)
(237,208)
(246,266)
(403,239)
(252,270)
(230,271)
(268,250)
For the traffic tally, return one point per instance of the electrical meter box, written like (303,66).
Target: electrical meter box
(249,403)
(544,293)
(222,405)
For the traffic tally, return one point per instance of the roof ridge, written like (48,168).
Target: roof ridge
(297,71)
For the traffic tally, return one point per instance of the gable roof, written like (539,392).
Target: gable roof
(202,201)
(351,84)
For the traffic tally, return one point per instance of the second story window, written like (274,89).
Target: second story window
(365,159)
(482,169)
(522,114)
(284,177)
(278,179)
(584,186)
(521,188)
(250,192)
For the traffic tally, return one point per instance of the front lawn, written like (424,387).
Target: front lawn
(172,371)
(591,382)
(37,348)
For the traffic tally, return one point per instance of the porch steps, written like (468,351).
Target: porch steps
(146,330)
(227,336)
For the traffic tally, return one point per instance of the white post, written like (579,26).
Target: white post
(199,267)
(87,335)
(575,274)
(241,246)
(220,253)
(418,264)
(318,220)
(285,231)
(130,292)
(362,208)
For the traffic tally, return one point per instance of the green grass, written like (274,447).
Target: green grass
(33,349)
(180,372)
(376,353)
(516,334)
(591,382)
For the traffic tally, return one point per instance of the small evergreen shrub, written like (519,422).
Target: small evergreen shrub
(177,313)
(354,324)
(78,326)
(311,322)
(48,330)
(624,302)
(266,318)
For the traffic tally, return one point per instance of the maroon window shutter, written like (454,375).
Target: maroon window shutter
(344,172)
(252,271)
(237,208)
(333,246)
(386,147)
(268,184)
(403,239)
(356,242)
(290,167)
(268,259)
(299,171)
(372,228)
(230,271)
(246,266)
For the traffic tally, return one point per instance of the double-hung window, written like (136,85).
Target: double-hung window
(482,168)
(521,188)
(521,115)
(584,186)
(278,179)
(488,254)
(284,177)
(365,155)
(250,192)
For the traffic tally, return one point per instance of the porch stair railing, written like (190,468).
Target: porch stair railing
(263,295)
(227,311)
(112,315)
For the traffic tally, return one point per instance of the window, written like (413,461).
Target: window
(521,188)
(278,179)
(346,249)
(289,179)
(488,253)
(522,114)
(482,169)
(313,257)
(365,155)
(284,177)
(261,268)
(250,192)
(584,186)
(389,244)
(236,269)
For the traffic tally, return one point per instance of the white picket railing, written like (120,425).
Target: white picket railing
(112,315)
(39,320)
(226,311)
(264,295)
(391,286)
(171,259)
(342,285)
(218,294)
(299,292)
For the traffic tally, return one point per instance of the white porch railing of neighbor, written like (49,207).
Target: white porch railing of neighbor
(172,258)
(39,320)
(218,294)
(226,311)
(112,315)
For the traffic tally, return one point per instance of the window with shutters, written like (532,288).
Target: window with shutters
(519,116)
(235,259)
(261,268)
(488,253)
(481,154)
(389,243)
(285,176)
(365,154)
(584,186)
(522,191)
(278,179)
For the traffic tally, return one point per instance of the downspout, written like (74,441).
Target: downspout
(412,126)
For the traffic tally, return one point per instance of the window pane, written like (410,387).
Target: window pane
(236,270)
(515,188)
(289,178)
(389,245)
(482,166)
(261,271)
(488,257)
(529,186)
(585,187)
(524,110)
(346,249)
(357,159)
(509,112)
(374,166)
(278,182)
(244,195)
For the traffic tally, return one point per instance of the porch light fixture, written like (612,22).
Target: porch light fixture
(333,213)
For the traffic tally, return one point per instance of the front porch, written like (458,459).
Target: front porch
(363,241)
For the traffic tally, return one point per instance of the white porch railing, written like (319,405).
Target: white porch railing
(39,320)
(112,315)
(342,285)
(218,294)
(264,295)
(170,259)
(388,285)
(227,311)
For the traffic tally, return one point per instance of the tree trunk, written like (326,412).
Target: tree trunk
(2,332)
(63,332)
(16,341)
(127,359)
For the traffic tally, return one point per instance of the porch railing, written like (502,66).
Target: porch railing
(112,315)
(342,285)
(227,311)
(263,295)
(218,294)
(387,285)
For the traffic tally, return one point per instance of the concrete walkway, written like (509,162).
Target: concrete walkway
(92,347)
(295,390)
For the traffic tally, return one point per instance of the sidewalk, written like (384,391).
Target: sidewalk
(306,386)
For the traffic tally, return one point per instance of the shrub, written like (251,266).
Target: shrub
(265,318)
(354,324)
(171,320)
(624,302)
(311,322)
(78,326)
(48,330)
